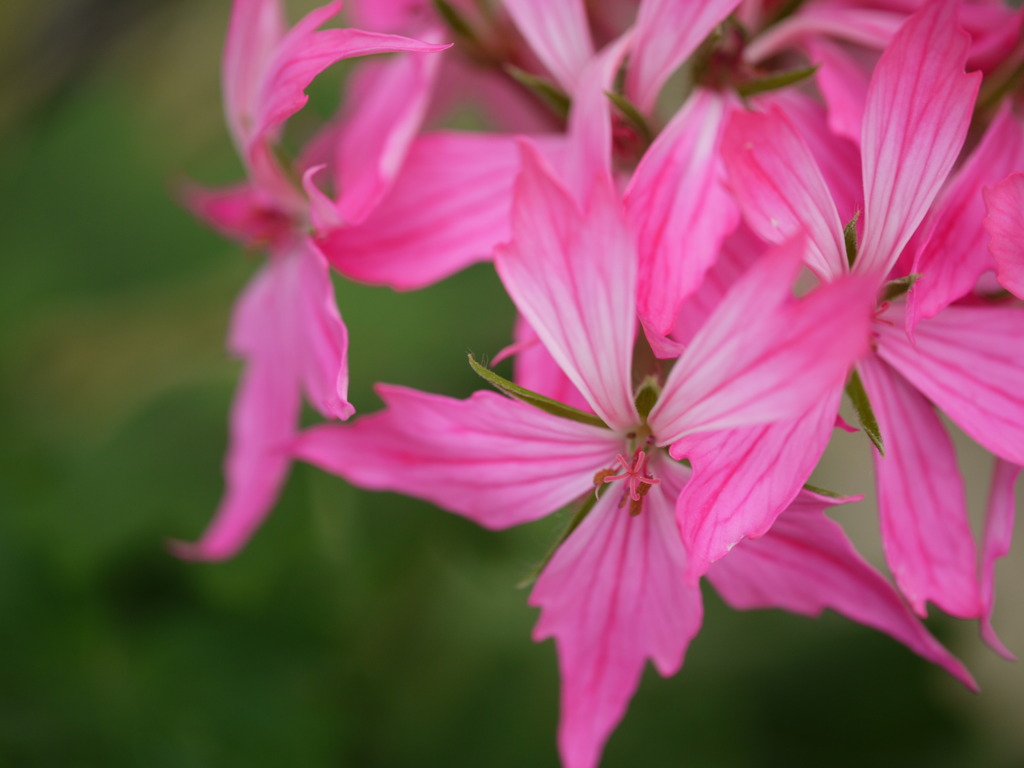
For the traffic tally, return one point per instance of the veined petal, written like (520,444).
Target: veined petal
(762,356)
(263,420)
(255,29)
(667,32)
(613,596)
(557,33)
(918,110)
(966,360)
(921,503)
(1005,226)
(450,205)
(954,255)
(780,189)
(537,371)
(843,81)
(318,337)
(744,478)
(572,274)
(385,105)
(494,460)
(996,544)
(863,26)
(680,209)
(805,564)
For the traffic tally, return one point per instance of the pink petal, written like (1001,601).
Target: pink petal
(536,370)
(263,419)
(572,274)
(954,256)
(918,110)
(449,207)
(667,32)
(242,213)
(925,530)
(862,26)
(762,356)
(318,338)
(805,564)
(1005,227)
(385,105)
(966,360)
(613,596)
(254,31)
(558,33)
(843,80)
(780,189)
(744,478)
(322,214)
(996,544)
(494,460)
(680,209)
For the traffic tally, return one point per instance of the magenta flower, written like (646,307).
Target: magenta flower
(286,325)
(616,592)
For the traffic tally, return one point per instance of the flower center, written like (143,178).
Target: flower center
(635,475)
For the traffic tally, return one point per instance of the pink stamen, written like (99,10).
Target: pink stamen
(635,474)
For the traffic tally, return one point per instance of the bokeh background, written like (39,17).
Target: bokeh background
(357,629)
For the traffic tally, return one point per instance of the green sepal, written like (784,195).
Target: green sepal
(775,82)
(574,523)
(896,288)
(850,239)
(543,88)
(861,404)
(546,404)
(823,491)
(632,114)
(454,20)
(647,396)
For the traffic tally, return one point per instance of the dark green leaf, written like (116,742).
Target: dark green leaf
(532,398)
(823,491)
(544,89)
(896,288)
(647,396)
(632,114)
(861,404)
(850,238)
(775,82)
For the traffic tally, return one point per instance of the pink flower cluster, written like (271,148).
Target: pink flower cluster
(665,170)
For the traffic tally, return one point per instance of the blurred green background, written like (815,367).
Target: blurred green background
(357,629)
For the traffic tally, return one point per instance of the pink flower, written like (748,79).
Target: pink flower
(615,593)
(286,325)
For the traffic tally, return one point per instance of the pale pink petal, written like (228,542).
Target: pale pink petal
(254,31)
(385,105)
(497,461)
(744,478)
(450,205)
(966,360)
(843,81)
(613,596)
(805,564)
(589,149)
(667,32)
(780,188)
(536,370)
(925,530)
(1005,227)
(318,337)
(918,110)
(863,26)
(680,209)
(837,158)
(572,274)
(558,34)
(762,356)
(263,420)
(996,544)
(242,213)
(954,255)
(322,213)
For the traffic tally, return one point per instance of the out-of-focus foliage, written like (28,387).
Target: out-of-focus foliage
(357,629)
